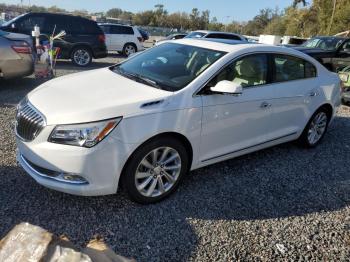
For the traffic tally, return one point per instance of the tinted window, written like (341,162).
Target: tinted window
(289,68)
(116,29)
(248,71)
(78,25)
(329,43)
(55,22)
(127,30)
(223,36)
(345,47)
(28,22)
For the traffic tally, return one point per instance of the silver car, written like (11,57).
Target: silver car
(16,55)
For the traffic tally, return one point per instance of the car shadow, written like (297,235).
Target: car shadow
(278,182)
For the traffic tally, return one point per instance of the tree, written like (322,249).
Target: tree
(114,12)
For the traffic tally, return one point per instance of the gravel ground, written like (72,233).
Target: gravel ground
(283,203)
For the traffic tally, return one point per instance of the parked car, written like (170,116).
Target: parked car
(170,37)
(16,56)
(144,34)
(84,40)
(122,38)
(215,34)
(173,108)
(333,52)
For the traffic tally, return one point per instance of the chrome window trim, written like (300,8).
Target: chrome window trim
(196,93)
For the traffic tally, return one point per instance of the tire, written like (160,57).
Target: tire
(148,181)
(129,49)
(315,129)
(81,56)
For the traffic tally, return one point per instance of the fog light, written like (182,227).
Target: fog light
(73,179)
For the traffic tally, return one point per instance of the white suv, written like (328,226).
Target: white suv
(122,38)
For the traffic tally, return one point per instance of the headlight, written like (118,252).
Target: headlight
(85,135)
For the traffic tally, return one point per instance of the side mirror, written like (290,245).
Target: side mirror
(227,87)
(13,25)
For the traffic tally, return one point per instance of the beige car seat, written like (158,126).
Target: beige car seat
(250,72)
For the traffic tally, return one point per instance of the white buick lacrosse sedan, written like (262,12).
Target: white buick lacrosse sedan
(144,123)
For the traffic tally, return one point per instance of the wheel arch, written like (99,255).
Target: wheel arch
(130,43)
(81,45)
(173,135)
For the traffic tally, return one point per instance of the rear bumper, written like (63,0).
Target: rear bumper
(100,52)
(17,68)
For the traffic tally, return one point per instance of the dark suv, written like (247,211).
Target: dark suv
(83,41)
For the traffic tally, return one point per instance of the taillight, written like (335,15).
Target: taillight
(140,39)
(102,38)
(21,47)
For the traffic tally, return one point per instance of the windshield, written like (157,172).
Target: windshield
(195,35)
(168,66)
(324,43)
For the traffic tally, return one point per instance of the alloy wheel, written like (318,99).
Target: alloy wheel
(317,128)
(130,49)
(158,172)
(81,57)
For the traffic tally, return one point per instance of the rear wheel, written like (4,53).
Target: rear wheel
(155,170)
(315,129)
(129,49)
(81,56)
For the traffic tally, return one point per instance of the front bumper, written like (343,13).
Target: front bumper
(100,166)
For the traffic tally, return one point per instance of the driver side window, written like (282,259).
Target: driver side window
(248,71)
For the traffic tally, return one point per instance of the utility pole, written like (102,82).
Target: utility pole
(227,19)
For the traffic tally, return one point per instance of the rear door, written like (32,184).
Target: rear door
(117,38)
(295,92)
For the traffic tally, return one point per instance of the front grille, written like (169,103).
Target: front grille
(29,122)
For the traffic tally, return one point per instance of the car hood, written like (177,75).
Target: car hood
(94,95)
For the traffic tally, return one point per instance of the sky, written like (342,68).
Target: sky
(224,10)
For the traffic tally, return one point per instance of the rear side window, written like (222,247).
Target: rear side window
(78,25)
(122,30)
(288,68)
(127,30)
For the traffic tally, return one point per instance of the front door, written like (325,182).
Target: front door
(234,123)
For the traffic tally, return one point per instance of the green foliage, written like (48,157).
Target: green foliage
(302,18)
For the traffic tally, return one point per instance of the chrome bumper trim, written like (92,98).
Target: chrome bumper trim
(59,178)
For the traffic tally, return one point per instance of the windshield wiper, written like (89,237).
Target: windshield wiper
(138,78)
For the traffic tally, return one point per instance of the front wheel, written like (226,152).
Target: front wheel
(155,170)
(315,129)
(81,56)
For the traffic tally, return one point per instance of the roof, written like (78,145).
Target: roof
(113,24)
(214,32)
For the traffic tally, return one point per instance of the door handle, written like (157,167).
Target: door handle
(265,105)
